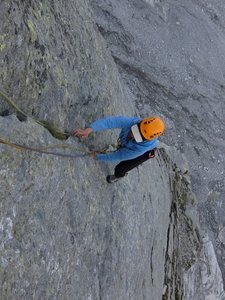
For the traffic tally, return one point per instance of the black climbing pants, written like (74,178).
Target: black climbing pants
(125,166)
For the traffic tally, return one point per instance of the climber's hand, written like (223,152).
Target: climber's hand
(93,154)
(84,133)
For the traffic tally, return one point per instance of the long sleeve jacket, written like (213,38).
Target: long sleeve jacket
(129,147)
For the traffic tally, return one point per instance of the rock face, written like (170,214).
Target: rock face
(170,55)
(65,233)
(54,62)
(171,58)
(203,281)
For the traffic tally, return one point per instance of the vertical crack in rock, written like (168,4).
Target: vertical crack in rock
(65,232)
(152,270)
(183,239)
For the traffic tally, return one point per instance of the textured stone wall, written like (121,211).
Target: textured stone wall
(65,233)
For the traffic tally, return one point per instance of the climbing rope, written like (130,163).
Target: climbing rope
(54,131)
(43,150)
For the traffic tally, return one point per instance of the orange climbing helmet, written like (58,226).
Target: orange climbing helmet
(149,129)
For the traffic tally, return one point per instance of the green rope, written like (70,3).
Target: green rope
(53,130)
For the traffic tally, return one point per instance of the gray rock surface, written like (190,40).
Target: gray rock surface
(65,233)
(54,62)
(171,56)
(206,272)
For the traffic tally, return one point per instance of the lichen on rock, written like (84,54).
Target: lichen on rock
(64,230)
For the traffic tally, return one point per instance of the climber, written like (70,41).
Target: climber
(138,140)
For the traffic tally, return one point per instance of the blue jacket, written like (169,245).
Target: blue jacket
(130,148)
